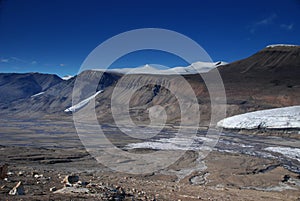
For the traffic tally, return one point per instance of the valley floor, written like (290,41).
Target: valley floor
(229,174)
(227,177)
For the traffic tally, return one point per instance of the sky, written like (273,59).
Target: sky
(56,36)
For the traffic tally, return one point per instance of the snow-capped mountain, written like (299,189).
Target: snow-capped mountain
(194,68)
(267,79)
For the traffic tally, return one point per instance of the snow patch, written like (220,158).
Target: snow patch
(293,153)
(278,118)
(81,104)
(281,45)
(194,68)
(38,94)
(67,77)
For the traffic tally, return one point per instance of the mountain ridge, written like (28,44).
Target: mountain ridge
(249,83)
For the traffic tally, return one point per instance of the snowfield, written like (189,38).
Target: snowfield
(194,68)
(279,118)
(81,104)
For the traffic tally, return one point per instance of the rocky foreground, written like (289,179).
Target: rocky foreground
(71,174)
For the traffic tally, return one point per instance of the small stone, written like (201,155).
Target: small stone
(219,187)
(68,185)
(286,178)
(53,189)
(34,173)
(37,176)
(21,173)
(10,173)
(71,179)
(91,185)
(82,183)
(17,190)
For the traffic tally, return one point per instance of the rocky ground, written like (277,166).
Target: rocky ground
(72,174)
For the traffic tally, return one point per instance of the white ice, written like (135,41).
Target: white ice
(278,118)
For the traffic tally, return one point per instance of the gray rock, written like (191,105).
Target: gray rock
(20,173)
(53,189)
(18,189)
(71,179)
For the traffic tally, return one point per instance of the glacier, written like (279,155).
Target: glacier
(278,118)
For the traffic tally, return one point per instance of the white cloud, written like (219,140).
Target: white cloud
(266,21)
(263,22)
(4,60)
(62,65)
(18,60)
(287,27)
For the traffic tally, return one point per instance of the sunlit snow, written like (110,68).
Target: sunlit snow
(38,94)
(81,104)
(194,68)
(279,118)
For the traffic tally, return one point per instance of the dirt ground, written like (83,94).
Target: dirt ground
(227,177)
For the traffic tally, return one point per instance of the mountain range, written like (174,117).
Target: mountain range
(267,79)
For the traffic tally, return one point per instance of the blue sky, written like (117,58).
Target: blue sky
(56,36)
